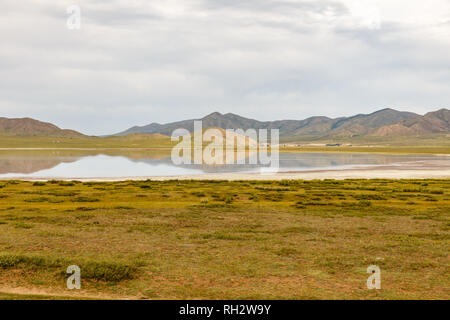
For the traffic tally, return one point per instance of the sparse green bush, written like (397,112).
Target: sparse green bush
(96,270)
(228,199)
(15,260)
(107,271)
(22,225)
(85,209)
(40,199)
(66,183)
(364,203)
(369,197)
(198,194)
(85,199)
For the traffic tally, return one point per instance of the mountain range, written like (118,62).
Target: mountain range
(381,123)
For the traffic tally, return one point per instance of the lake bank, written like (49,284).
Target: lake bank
(426,169)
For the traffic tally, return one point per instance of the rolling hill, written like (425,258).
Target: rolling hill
(32,127)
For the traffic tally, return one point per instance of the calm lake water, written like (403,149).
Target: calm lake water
(116,164)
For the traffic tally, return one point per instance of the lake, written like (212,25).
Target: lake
(75,164)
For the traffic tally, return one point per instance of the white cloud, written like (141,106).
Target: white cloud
(135,62)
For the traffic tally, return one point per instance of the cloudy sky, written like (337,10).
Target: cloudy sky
(134,62)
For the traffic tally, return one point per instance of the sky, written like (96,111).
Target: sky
(134,62)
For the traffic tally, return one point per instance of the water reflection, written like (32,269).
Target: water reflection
(121,163)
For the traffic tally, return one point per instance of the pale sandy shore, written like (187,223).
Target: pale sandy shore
(428,169)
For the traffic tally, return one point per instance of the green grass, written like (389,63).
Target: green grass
(112,271)
(373,149)
(129,142)
(289,239)
(434,144)
(390,140)
(15,296)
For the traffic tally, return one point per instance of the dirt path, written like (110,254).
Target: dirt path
(57,294)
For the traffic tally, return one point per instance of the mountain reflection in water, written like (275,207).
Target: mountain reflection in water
(122,163)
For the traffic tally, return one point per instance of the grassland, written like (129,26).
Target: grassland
(429,140)
(434,144)
(225,240)
(372,149)
(431,144)
(155,141)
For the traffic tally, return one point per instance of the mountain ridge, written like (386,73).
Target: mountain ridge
(379,123)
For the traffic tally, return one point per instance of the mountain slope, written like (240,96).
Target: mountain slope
(31,127)
(216,119)
(380,123)
(361,124)
(432,122)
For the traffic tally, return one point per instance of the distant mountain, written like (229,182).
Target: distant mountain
(363,124)
(227,121)
(31,127)
(382,122)
(432,122)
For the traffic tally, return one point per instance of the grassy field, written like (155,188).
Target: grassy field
(437,144)
(430,140)
(434,144)
(373,149)
(225,240)
(132,141)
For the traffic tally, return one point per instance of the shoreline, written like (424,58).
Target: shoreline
(357,149)
(428,169)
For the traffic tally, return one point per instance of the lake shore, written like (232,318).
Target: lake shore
(426,169)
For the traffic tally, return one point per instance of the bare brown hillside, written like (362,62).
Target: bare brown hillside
(432,122)
(32,127)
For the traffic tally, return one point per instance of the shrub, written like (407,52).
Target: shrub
(107,271)
(96,270)
(199,194)
(15,260)
(40,199)
(66,183)
(85,199)
(85,209)
(228,199)
(23,225)
(368,197)
(364,203)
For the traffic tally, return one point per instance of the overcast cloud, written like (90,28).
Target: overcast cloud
(134,62)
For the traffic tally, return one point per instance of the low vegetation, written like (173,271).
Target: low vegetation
(138,143)
(290,239)
(156,141)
